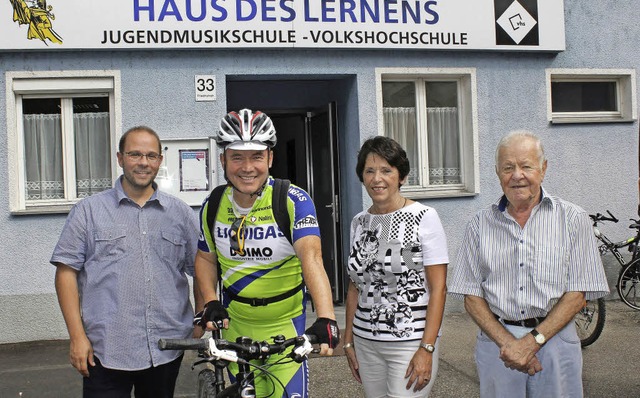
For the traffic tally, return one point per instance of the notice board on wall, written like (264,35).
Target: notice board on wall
(187,169)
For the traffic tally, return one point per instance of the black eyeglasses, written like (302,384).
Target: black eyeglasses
(236,235)
(137,156)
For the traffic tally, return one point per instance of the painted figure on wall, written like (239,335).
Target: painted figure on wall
(38,16)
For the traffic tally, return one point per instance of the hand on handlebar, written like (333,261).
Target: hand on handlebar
(327,332)
(213,317)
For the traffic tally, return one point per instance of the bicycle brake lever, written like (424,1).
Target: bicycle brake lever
(213,352)
(301,352)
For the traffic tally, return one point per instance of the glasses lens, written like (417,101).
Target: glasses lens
(134,155)
(236,236)
(137,156)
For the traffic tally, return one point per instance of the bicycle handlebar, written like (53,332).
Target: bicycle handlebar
(601,217)
(244,350)
(183,344)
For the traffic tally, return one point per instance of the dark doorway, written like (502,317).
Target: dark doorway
(307,155)
(303,110)
(290,159)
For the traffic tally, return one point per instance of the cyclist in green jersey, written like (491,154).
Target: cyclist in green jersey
(264,276)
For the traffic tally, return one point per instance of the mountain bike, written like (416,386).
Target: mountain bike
(220,353)
(629,276)
(590,319)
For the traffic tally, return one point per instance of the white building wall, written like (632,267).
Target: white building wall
(593,165)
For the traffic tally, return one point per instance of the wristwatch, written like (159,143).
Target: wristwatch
(430,348)
(540,339)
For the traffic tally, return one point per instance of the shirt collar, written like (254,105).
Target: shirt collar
(121,195)
(503,201)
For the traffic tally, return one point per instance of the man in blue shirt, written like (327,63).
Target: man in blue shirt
(122,263)
(525,267)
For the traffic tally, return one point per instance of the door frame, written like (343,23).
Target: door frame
(335,258)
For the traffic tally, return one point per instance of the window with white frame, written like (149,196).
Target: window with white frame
(431,114)
(61,137)
(591,95)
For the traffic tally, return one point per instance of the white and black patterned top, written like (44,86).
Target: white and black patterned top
(386,262)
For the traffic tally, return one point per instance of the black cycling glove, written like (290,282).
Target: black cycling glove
(213,312)
(326,330)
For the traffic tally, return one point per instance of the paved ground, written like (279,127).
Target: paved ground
(610,365)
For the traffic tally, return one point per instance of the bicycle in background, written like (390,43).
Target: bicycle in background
(629,276)
(590,320)
(220,353)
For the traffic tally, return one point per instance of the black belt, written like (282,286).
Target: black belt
(526,323)
(257,302)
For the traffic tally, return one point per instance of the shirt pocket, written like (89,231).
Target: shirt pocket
(110,244)
(550,265)
(173,248)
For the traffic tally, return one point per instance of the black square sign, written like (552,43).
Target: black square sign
(517,22)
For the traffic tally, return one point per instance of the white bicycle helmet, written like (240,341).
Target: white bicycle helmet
(246,130)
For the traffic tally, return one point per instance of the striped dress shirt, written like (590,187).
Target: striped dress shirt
(523,271)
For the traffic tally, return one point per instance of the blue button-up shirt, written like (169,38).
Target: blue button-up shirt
(522,271)
(133,264)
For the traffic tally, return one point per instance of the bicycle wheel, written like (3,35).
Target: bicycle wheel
(206,384)
(590,321)
(628,285)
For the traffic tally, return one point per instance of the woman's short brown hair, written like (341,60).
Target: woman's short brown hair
(388,149)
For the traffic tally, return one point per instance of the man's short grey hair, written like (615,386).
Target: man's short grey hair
(519,135)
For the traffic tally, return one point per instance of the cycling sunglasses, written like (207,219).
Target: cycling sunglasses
(236,235)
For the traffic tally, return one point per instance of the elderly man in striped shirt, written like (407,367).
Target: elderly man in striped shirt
(526,265)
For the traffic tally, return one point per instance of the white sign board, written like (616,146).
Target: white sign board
(205,87)
(531,25)
(186,170)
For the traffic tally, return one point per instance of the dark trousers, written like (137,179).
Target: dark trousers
(155,382)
